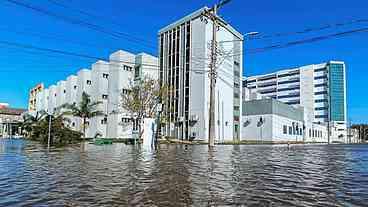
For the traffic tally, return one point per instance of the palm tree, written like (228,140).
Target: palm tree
(84,110)
(30,121)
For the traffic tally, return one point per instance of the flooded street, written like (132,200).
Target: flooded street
(178,175)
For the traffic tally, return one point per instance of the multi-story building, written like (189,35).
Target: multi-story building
(104,83)
(32,101)
(319,88)
(184,63)
(10,121)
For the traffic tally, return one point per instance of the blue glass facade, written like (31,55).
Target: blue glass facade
(337,92)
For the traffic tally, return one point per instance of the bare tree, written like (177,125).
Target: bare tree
(142,99)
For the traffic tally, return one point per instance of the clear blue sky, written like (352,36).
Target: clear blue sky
(21,69)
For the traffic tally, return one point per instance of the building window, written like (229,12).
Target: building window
(104,121)
(75,87)
(73,124)
(125,120)
(64,91)
(89,82)
(127,68)
(125,91)
(290,130)
(310,133)
(337,92)
(321,93)
(285,129)
(105,75)
(104,96)
(55,94)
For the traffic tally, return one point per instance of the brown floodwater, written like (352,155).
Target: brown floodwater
(179,175)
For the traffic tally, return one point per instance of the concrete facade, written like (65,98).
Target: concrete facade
(319,88)
(184,52)
(104,83)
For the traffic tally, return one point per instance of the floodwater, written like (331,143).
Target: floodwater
(178,175)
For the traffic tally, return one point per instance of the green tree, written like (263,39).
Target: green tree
(84,110)
(61,135)
(30,121)
(142,100)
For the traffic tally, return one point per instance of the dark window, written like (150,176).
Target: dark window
(290,130)
(320,93)
(320,77)
(321,101)
(89,82)
(64,91)
(289,81)
(267,78)
(321,85)
(321,116)
(104,121)
(127,68)
(290,96)
(289,89)
(320,108)
(293,102)
(289,74)
(125,91)
(75,87)
(104,96)
(104,75)
(285,129)
(320,69)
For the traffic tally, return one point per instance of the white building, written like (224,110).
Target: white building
(42,100)
(184,51)
(121,74)
(104,83)
(269,120)
(319,88)
(99,93)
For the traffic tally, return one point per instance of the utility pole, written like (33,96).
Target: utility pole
(49,137)
(212,15)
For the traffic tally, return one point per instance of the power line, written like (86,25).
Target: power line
(51,36)
(311,29)
(96,17)
(299,42)
(79,22)
(108,61)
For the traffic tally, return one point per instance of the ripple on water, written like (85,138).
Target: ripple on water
(120,175)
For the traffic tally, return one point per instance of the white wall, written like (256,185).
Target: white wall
(99,89)
(119,79)
(52,99)
(271,130)
(71,86)
(61,93)
(84,75)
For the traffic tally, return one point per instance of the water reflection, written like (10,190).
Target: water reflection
(179,175)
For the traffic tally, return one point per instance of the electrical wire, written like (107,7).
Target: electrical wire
(79,22)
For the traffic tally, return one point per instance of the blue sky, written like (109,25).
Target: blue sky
(20,69)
